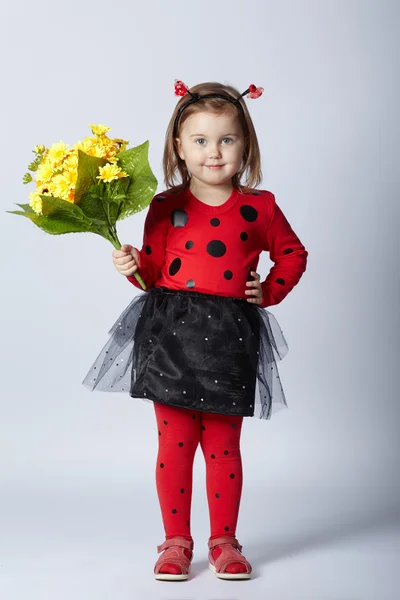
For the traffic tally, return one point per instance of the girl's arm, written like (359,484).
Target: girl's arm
(152,254)
(288,254)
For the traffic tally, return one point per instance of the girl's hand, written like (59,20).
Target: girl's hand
(126,260)
(257,291)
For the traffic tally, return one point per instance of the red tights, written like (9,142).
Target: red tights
(179,432)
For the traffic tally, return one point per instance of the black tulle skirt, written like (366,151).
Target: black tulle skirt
(196,351)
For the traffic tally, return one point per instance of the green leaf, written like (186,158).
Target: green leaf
(60,216)
(88,169)
(143,184)
(26,208)
(102,202)
(93,206)
(50,225)
(119,190)
(140,193)
(133,160)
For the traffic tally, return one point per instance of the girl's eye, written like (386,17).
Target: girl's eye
(203,140)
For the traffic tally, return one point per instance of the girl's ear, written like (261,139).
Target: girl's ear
(179,148)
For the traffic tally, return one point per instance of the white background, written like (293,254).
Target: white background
(79,514)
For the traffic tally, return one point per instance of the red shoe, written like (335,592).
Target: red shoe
(174,553)
(231,553)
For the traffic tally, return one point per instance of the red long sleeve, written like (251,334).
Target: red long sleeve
(288,254)
(152,254)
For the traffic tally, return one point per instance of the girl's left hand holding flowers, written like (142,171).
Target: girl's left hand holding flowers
(256,292)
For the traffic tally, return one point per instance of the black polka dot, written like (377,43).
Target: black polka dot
(288,250)
(174,511)
(162,465)
(228,274)
(280,280)
(226,452)
(217,496)
(165,422)
(147,249)
(244,236)
(232,476)
(180,444)
(179,217)
(189,245)
(159,432)
(248,213)
(203,428)
(193,416)
(216,248)
(215,222)
(182,490)
(188,523)
(190,283)
(234,425)
(256,193)
(175,266)
(212,455)
(160,198)
(226,528)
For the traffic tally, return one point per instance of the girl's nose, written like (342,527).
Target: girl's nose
(215,152)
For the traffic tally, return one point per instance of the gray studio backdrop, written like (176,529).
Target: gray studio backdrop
(77,484)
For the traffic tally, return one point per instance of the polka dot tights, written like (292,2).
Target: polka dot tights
(180,430)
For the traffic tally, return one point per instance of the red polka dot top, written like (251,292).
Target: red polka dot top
(190,245)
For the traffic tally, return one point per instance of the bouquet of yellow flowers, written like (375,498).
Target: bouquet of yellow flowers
(89,187)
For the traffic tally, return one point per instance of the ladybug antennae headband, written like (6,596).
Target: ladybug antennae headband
(181,90)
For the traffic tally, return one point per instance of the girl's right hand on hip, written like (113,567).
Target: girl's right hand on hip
(126,260)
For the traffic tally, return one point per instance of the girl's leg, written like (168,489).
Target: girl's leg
(220,443)
(178,438)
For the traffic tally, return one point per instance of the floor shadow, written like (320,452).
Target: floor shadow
(336,528)
(266,550)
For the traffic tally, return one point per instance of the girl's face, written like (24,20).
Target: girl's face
(208,139)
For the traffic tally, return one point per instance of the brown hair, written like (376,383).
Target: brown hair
(173,165)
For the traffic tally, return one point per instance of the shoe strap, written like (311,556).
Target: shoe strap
(176,541)
(224,539)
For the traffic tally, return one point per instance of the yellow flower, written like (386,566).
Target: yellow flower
(57,152)
(61,186)
(35,202)
(99,129)
(71,162)
(106,146)
(121,144)
(99,151)
(44,172)
(70,175)
(110,172)
(85,146)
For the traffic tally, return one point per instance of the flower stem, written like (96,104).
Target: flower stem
(117,245)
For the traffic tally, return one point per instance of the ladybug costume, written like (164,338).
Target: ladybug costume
(192,340)
(193,346)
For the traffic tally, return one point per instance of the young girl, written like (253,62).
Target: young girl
(199,343)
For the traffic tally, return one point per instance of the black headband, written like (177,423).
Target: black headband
(181,90)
